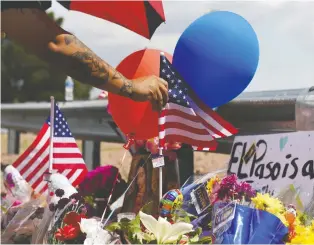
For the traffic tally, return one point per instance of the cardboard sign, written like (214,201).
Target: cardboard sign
(200,199)
(223,214)
(275,162)
(158,161)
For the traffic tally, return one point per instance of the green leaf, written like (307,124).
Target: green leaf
(113,227)
(147,208)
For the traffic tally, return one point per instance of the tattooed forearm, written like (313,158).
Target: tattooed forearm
(126,89)
(94,70)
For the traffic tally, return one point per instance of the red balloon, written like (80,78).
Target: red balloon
(137,118)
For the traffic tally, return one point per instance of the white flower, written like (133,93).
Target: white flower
(94,233)
(89,226)
(163,230)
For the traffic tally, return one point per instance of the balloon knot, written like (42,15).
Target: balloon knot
(130,142)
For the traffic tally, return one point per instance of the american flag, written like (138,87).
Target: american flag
(187,119)
(67,158)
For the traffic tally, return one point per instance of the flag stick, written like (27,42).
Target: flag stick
(52,119)
(160,177)
(160,154)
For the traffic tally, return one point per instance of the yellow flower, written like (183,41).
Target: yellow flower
(270,204)
(304,235)
(211,183)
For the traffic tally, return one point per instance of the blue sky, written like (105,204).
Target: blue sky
(285,30)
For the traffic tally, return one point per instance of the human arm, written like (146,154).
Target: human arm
(35,31)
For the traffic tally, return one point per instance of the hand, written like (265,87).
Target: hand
(153,89)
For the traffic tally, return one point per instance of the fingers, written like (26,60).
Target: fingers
(160,102)
(154,102)
(165,96)
(165,83)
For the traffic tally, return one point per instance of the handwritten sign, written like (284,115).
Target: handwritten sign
(158,162)
(276,161)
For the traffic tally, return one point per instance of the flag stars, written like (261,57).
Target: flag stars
(168,76)
(180,92)
(163,70)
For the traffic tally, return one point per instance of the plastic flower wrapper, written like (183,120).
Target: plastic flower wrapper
(249,226)
(17,185)
(24,223)
(192,184)
(40,234)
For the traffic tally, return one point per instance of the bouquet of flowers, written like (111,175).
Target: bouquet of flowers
(152,229)
(235,214)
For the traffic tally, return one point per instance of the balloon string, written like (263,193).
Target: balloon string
(127,189)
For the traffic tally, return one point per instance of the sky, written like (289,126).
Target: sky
(285,30)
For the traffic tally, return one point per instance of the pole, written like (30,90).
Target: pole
(160,155)
(160,177)
(52,119)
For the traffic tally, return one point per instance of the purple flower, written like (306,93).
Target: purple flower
(99,181)
(63,202)
(246,190)
(76,196)
(52,207)
(59,193)
(10,181)
(228,188)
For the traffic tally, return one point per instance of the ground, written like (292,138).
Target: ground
(112,154)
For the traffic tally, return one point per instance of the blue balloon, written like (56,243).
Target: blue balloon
(217,55)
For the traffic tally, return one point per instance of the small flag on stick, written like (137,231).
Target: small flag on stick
(67,158)
(186,118)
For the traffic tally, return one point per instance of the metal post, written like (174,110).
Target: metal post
(91,153)
(186,162)
(13,141)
